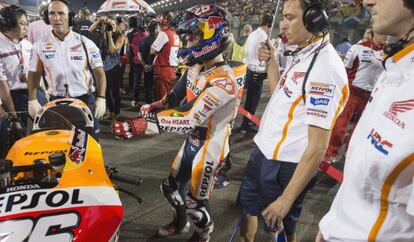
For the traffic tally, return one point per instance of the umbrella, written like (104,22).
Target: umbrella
(110,7)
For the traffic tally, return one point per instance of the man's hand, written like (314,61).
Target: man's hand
(34,108)
(319,237)
(148,108)
(267,51)
(129,128)
(100,107)
(276,212)
(17,130)
(147,68)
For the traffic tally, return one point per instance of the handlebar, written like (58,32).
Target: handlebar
(113,174)
(126,179)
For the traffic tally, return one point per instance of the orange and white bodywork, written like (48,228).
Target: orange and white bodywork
(82,206)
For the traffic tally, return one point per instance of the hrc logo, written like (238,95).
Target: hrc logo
(379,143)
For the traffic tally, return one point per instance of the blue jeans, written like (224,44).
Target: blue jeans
(89,99)
(263,182)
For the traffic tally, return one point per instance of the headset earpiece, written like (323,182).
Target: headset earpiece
(71,18)
(315,18)
(45,16)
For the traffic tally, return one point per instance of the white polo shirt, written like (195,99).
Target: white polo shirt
(38,30)
(65,63)
(14,60)
(283,131)
(365,65)
(252,50)
(376,200)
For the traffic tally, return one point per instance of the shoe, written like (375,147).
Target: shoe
(134,103)
(109,117)
(202,234)
(222,181)
(248,130)
(171,230)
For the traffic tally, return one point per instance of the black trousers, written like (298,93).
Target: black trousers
(149,86)
(136,70)
(113,97)
(20,100)
(254,86)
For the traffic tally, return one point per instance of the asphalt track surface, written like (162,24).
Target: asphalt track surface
(150,158)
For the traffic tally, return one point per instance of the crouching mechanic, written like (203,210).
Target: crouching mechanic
(202,104)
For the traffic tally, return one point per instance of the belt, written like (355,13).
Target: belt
(257,69)
(83,98)
(359,91)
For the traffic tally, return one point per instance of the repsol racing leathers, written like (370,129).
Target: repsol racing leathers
(203,105)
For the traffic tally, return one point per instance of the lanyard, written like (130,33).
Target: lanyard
(19,54)
(304,53)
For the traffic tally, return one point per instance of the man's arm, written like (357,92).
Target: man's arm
(99,74)
(6,98)
(33,83)
(268,52)
(159,42)
(318,140)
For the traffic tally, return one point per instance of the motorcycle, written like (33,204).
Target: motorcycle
(54,185)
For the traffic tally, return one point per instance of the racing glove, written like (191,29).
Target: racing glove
(148,108)
(34,108)
(134,127)
(100,107)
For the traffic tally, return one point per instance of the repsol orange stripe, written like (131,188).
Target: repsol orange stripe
(345,93)
(286,127)
(200,166)
(403,53)
(385,193)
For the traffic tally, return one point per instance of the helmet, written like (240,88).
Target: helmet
(212,23)
(64,114)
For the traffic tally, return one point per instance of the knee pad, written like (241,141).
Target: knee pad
(170,190)
(197,211)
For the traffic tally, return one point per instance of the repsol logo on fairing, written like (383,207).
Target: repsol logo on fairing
(207,176)
(44,152)
(174,129)
(39,199)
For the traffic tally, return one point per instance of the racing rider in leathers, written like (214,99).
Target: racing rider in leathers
(202,105)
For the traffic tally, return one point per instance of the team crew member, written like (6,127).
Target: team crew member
(165,47)
(363,63)
(256,72)
(67,58)
(14,62)
(376,199)
(210,95)
(297,122)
